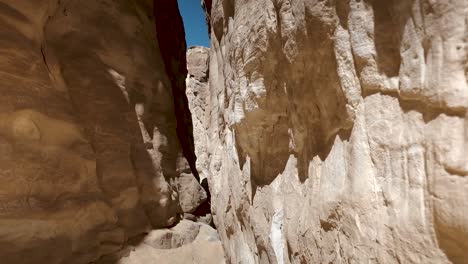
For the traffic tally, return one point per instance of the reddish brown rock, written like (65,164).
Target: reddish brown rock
(77,178)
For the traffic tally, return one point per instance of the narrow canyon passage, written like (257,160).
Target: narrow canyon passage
(310,131)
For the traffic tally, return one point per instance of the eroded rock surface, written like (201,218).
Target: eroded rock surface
(337,131)
(198,97)
(198,94)
(80,83)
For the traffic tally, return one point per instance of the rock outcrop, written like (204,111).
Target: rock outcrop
(198,94)
(337,131)
(95,130)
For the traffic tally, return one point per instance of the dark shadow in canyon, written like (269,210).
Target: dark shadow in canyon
(389,21)
(170,27)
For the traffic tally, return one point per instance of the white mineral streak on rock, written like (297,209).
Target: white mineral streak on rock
(276,231)
(120,82)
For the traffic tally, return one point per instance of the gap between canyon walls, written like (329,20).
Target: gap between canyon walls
(174,54)
(175,62)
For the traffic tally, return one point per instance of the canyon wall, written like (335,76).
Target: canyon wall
(94,129)
(337,131)
(198,94)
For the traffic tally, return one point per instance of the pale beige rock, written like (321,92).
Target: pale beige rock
(198,94)
(198,59)
(337,130)
(188,242)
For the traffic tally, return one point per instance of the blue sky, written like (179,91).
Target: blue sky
(196,31)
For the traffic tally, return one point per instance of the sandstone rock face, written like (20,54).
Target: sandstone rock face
(198,97)
(198,94)
(198,65)
(337,131)
(76,79)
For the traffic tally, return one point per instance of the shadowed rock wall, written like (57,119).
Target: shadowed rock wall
(91,126)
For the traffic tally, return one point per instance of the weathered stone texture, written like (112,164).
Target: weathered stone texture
(76,76)
(198,93)
(337,130)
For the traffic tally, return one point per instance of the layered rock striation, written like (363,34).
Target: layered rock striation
(336,131)
(95,131)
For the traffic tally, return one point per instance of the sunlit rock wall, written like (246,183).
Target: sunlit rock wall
(338,130)
(77,179)
(198,94)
